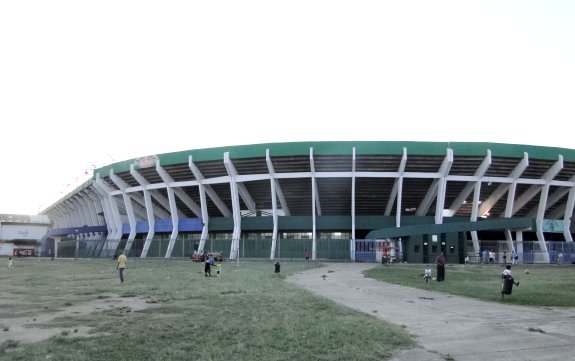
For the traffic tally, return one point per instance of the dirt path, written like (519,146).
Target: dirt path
(448,327)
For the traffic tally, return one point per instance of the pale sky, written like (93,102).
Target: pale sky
(88,83)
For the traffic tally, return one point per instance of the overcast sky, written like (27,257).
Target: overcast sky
(88,83)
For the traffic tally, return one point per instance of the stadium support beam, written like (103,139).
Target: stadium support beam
(79,207)
(113,214)
(82,210)
(234,248)
(279,192)
(160,198)
(433,190)
(138,203)
(151,223)
(488,203)
(470,186)
(69,214)
(55,215)
(74,213)
(186,199)
(224,210)
(242,190)
(315,205)
(94,203)
(397,190)
(474,212)
(64,219)
(442,186)
(98,200)
(275,218)
(568,216)
(203,203)
(525,197)
(548,177)
(551,200)
(129,209)
(353,193)
(150,210)
(274,196)
(175,221)
(462,197)
(205,218)
(90,207)
(84,205)
(172,192)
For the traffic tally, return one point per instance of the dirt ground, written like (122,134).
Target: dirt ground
(36,327)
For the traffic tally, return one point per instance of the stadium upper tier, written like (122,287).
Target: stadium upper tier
(470,181)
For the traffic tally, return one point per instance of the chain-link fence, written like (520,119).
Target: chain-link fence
(293,249)
(329,249)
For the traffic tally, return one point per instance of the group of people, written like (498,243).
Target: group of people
(440,263)
(122,264)
(488,256)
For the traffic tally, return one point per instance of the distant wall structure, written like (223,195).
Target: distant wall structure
(20,235)
(337,199)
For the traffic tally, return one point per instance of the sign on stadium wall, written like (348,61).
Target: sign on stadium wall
(23,252)
(552,226)
(146,162)
(6,249)
(10,232)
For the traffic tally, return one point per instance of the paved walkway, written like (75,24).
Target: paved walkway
(449,327)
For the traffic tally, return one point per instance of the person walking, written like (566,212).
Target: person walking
(440,262)
(122,265)
(10,263)
(306,255)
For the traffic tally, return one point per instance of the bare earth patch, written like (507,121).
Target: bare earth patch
(27,329)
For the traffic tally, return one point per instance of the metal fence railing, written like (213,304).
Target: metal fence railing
(293,249)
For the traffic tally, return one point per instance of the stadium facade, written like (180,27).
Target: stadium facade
(341,200)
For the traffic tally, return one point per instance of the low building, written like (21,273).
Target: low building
(20,235)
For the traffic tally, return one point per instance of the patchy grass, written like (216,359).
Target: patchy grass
(247,313)
(541,286)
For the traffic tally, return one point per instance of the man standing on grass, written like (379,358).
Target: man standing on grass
(440,261)
(121,265)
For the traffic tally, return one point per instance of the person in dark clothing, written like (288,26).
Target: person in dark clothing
(441,261)
(208,267)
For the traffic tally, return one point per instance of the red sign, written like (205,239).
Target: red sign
(23,252)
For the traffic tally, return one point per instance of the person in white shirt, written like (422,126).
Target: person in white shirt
(507,275)
(10,263)
(427,274)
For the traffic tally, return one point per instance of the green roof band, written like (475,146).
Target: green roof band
(345,148)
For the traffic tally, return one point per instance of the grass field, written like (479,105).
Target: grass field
(539,285)
(247,313)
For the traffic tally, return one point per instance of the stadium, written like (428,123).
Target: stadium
(351,201)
